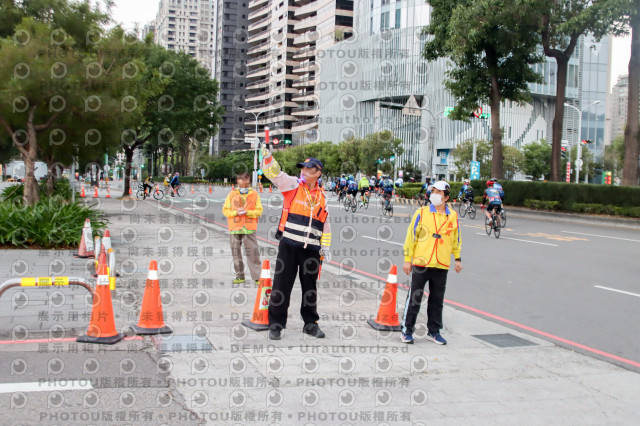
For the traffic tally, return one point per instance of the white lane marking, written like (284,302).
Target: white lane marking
(601,236)
(524,241)
(382,241)
(617,291)
(46,386)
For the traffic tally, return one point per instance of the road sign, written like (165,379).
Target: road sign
(248,139)
(568,171)
(485,116)
(579,163)
(276,141)
(447,111)
(477,112)
(475,170)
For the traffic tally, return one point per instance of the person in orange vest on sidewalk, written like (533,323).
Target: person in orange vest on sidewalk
(305,237)
(433,236)
(243,209)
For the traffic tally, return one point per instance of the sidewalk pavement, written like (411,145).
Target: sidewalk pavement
(219,372)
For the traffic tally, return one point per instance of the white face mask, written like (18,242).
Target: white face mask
(244,190)
(436,199)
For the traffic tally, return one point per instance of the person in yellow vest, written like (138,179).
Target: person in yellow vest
(433,236)
(305,236)
(243,209)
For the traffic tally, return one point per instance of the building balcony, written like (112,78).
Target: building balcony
(262,59)
(306,111)
(304,82)
(258,72)
(307,8)
(308,95)
(305,24)
(305,52)
(256,14)
(260,37)
(256,3)
(259,24)
(259,48)
(306,66)
(307,124)
(258,84)
(304,38)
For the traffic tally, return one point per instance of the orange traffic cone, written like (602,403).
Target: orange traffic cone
(108,193)
(95,192)
(387,319)
(130,191)
(232,187)
(271,189)
(82,191)
(261,188)
(192,191)
(210,190)
(151,319)
(102,260)
(86,242)
(102,327)
(106,240)
(260,318)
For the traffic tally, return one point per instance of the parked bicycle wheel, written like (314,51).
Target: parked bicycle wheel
(496,226)
(472,212)
(488,225)
(158,194)
(462,209)
(503,218)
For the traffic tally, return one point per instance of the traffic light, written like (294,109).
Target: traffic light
(586,141)
(606,177)
(563,152)
(287,142)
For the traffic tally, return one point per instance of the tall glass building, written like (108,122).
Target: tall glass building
(377,80)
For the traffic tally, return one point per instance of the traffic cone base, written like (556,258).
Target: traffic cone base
(85,252)
(102,327)
(151,318)
(387,319)
(260,318)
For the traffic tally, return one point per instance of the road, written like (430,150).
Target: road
(571,283)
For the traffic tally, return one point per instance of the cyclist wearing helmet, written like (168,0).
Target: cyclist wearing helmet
(387,189)
(466,192)
(492,195)
(363,186)
(497,186)
(175,181)
(352,187)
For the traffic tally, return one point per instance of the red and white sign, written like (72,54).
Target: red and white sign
(568,171)
(276,141)
(478,112)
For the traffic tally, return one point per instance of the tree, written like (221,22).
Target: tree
(463,155)
(632,131)
(58,95)
(562,24)
(492,44)
(182,106)
(513,159)
(589,163)
(537,159)
(614,154)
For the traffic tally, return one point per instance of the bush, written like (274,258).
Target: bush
(407,192)
(606,209)
(61,188)
(53,222)
(542,205)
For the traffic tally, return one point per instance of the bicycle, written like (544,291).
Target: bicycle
(350,203)
(467,207)
(421,199)
(493,224)
(387,206)
(179,190)
(365,200)
(503,217)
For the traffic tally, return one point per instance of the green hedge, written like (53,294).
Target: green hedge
(542,205)
(606,209)
(566,194)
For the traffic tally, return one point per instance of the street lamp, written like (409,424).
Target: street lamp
(432,132)
(254,177)
(579,155)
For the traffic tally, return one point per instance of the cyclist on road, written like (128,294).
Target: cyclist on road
(466,192)
(387,190)
(175,182)
(492,195)
(352,187)
(363,186)
(148,183)
(497,186)
(399,182)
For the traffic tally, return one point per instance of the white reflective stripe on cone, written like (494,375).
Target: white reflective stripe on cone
(153,275)
(103,280)
(392,279)
(265,274)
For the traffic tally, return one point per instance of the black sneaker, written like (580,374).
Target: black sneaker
(312,329)
(274,333)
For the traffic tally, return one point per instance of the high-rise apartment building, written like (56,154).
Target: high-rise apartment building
(617,109)
(148,28)
(188,26)
(229,68)
(284,38)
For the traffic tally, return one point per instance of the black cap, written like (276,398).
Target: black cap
(311,162)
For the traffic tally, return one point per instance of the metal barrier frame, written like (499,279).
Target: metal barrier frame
(39,282)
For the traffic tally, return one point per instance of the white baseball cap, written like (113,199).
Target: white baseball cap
(441,185)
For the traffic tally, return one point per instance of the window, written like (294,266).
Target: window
(398,17)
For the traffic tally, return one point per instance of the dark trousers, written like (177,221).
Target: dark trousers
(291,261)
(437,279)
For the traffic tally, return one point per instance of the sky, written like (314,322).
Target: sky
(132,12)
